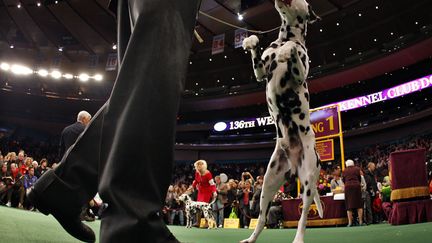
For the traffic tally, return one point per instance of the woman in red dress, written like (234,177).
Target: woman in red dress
(204,182)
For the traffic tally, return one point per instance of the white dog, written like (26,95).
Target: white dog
(193,207)
(285,66)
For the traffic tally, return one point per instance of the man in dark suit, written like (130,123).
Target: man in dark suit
(70,133)
(154,40)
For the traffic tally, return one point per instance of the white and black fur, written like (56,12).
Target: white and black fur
(285,67)
(192,208)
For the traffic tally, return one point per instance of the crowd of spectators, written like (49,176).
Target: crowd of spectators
(238,184)
(18,174)
(247,177)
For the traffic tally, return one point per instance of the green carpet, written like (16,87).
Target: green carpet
(19,226)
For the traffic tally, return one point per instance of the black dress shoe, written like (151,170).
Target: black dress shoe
(68,220)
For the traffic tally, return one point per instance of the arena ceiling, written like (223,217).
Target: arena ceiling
(350,31)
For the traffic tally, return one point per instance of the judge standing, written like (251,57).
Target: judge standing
(154,40)
(353,196)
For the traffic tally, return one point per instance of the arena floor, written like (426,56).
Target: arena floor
(18,226)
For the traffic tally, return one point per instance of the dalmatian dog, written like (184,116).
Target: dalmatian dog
(193,207)
(284,65)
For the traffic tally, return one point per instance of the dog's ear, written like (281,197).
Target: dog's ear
(312,16)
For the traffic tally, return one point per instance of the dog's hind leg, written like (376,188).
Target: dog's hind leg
(273,179)
(308,174)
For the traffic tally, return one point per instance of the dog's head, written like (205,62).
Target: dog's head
(296,12)
(184,198)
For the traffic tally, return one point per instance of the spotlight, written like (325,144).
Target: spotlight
(21,70)
(56,74)
(60,49)
(56,2)
(98,77)
(321,30)
(38,4)
(114,47)
(68,76)
(43,72)
(220,126)
(11,46)
(239,16)
(5,66)
(84,77)
(19,5)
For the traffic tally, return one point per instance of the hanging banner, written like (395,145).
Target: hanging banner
(111,64)
(218,44)
(325,150)
(93,61)
(239,36)
(325,122)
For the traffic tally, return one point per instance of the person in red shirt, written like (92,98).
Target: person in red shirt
(204,184)
(24,167)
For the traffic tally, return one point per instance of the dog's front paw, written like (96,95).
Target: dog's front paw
(250,43)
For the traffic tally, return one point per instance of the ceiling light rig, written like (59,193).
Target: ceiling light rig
(19,69)
(239,16)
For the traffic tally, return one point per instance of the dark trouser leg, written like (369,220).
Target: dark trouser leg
(368,210)
(144,104)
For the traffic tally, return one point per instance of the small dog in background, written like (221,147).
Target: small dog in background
(193,208)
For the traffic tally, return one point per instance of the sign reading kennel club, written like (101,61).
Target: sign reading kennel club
(325,122)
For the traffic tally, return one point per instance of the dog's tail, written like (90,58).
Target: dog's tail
(318,204)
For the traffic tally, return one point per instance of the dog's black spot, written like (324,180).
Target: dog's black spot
(307,129)
(300,19)
(305,85)
(282,29)
(272,164)
(289,34)
(273,56)
(302,128)
(266,58)
(270,76)
(306,183)
(273,65)
(269,107)
(306,95)
(302,116)
(297,26)
(303,59)
(279,132)
(294,59)
(296,110)
(284,80)
(255,66)
(296,71)
(301,189)
(274,45)
(255,61)
(270,101)
(260,65)
(308,193)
